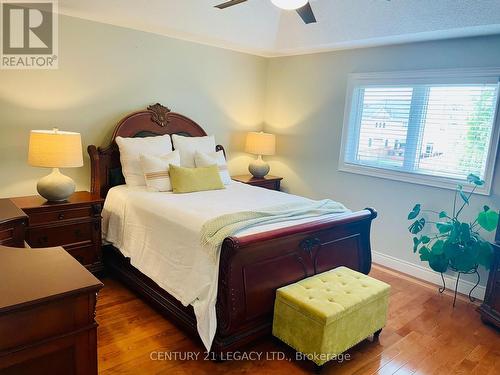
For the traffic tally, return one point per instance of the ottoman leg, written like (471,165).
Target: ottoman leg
(377,334)
(317,368)
(216,357)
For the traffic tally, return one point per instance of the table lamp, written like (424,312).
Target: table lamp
(55,149)
(260,143)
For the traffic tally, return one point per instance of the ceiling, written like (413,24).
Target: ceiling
(260,28)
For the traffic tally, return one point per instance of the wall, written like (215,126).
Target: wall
(305,107)
(104,73)
(107,71)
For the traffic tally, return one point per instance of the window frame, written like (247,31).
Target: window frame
(441,76)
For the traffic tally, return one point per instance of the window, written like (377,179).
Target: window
(427,127)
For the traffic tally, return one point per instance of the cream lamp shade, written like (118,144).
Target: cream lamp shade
(55,149)
(259,143)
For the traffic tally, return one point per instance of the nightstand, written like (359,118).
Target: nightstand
(74,224)
(268,182)
(13,222)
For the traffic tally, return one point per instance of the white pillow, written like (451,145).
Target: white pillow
(188,146)
(132,148)
(155,170)
(206,159)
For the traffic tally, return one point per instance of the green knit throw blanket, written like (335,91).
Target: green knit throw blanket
(214,231)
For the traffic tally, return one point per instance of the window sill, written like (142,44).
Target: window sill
(420,179)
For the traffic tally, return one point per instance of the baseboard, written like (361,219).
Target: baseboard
(427,274)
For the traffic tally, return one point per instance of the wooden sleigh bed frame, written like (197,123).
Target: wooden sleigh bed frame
(251,267)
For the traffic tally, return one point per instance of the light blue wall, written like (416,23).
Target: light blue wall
(106,72)
(305,108)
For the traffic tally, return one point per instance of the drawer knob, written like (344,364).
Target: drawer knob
(61,216)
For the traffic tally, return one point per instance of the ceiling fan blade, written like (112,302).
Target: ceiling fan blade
(306,13)
(228,4)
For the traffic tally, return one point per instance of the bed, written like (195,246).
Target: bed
(252,265)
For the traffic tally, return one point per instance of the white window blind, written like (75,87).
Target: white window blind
(432,128)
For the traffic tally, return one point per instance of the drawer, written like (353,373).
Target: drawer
(85,255)
(495,300)
(46,217)
(6,235)
(12,233)
(59,316)
(271,185)
(72,235)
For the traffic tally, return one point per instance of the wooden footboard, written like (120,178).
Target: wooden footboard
(253,267)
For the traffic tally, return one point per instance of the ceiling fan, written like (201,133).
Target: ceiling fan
(302,7)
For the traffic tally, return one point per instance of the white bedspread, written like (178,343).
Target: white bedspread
(160,233)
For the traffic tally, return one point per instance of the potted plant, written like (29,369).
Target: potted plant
(449,242)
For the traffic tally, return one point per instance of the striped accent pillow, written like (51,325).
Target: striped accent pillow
(156,170)
(206,159)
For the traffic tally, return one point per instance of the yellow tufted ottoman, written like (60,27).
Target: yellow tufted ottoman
(326,314)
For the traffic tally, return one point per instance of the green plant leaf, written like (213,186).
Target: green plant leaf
(437,248)
(484,253)
(463,196)
(416,242)
(464,232)
(417,226)
(414,212)
(465,259)
(444,227)
(425,254)
(450,249)
(425,239)
(488,220)
(438,263)
(463,263)
(473,179)
(456,227)
(443,214)
(458,244)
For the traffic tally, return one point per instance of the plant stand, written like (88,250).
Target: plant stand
(472,271)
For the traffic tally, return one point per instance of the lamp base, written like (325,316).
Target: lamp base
(258,168)
(56,187)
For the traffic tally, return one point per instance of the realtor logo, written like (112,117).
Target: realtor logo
(29,34)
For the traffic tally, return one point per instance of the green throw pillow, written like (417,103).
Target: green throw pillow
(187,180)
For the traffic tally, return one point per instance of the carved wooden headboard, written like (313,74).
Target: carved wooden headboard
(155,120)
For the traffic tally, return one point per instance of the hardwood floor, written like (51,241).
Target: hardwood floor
(424,335)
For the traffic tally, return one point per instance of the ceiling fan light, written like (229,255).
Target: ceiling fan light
(289,4)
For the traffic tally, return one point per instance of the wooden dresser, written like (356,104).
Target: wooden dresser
(47,310)
(13,222)
(74,224)
(490,309)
